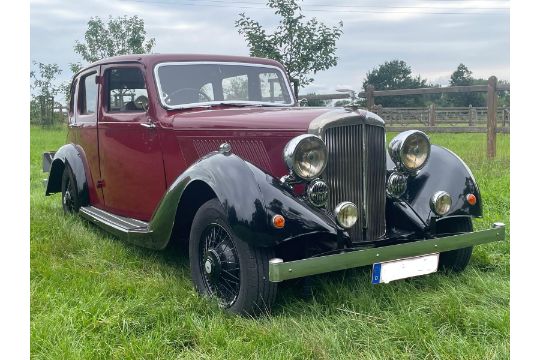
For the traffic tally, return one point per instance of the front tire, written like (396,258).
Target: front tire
(455,260)
(227,268)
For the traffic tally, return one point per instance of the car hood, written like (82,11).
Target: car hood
(292,119)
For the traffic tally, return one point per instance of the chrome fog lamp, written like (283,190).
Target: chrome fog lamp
(441,202)
(410,150)
(317,192)
(396,185)
(346,214)
(306,156)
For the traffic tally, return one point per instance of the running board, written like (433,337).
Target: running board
(132,230)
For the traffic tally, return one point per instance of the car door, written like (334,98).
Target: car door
(84,128)
(131,162)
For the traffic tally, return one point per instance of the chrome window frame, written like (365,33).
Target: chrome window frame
(209,103)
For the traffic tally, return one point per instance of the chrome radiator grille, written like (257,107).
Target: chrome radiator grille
(357,164)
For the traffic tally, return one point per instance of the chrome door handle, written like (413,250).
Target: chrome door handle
(74,125)
(149,124)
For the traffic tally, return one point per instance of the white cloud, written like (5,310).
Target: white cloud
(433,45)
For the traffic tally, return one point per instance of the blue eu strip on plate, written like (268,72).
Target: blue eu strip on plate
(376,274)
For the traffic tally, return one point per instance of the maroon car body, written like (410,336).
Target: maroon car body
(154,148)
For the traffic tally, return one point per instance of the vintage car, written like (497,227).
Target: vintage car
(216,151)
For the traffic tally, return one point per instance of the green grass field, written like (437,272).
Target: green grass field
(96,297)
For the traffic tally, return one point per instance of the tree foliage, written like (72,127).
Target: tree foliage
(304,47)
(118,36)
(43,79)
(462,76)
(392,75)
(315,102)
(44,89)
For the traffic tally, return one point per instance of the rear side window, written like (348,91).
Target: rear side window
(88,94)
(72,97)
(126,90)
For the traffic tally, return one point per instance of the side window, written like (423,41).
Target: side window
(235,88)
(88,90)
(126,90)
(72,97)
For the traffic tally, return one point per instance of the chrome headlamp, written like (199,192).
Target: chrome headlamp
(441,202)
(306,156)
(346,214)
(410,150)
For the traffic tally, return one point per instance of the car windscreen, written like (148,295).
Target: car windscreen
(187,84)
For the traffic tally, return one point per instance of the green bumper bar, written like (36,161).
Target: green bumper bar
(280,271)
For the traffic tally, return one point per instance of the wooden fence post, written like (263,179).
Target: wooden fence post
(432,115)
(492,117)
(470,115)
(369,97)
(42,110)
(61,113)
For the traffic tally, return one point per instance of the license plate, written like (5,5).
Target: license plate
(385,272)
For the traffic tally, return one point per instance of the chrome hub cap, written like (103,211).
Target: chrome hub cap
(208,266)
(219,264)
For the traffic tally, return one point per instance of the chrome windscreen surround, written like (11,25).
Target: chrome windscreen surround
(356,168)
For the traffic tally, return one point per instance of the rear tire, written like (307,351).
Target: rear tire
(70,196)
(227,268)
(455,260)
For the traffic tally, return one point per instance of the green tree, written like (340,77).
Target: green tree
(315,102)
(302,46)
(44,89)
(462,76)
(118,36)
(65,87)
(43,79)
(503,96)
(392,75)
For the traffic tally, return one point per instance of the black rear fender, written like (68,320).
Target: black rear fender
(69,155)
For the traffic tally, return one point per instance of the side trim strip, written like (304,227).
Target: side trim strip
(280,271)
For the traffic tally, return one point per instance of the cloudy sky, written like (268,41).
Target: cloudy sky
(432,36)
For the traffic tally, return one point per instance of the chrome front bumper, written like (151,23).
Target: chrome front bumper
(280,271)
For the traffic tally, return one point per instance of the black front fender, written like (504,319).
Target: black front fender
(250,199)
(68,154)
(443,171)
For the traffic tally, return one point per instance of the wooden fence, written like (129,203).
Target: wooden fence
(445,119)
(47,112)
(439,120)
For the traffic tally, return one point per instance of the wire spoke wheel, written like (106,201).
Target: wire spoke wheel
(227,268)
(219,264)
(67,199)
